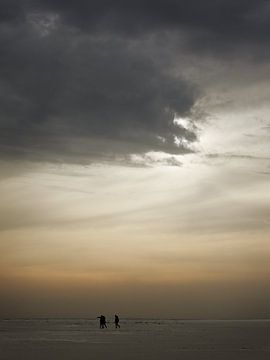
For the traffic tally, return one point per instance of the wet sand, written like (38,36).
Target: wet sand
(78,339)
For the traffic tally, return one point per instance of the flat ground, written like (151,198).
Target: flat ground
(78,339)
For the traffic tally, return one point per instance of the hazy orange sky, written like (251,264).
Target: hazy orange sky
(188,241)
(134,160)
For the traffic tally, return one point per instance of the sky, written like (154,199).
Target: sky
(135,158)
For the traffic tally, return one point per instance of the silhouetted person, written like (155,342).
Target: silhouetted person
(116,321)
(102,321)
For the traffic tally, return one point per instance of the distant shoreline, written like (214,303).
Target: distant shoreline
(125,319)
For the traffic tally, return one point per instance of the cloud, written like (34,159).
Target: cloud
(155,158)
(11,10)
(88,80)
(70,95)
(223,19)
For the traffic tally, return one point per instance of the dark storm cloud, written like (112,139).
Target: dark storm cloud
(68,93)
(64,86)
(91,79)
(236,20)
(11,10)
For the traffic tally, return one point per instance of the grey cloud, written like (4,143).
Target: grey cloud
(213,21)
(69,94)
(237,156)
(11,10)
(218,15)
(95,79)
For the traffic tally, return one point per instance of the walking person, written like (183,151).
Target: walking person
(102,321)
(116,321)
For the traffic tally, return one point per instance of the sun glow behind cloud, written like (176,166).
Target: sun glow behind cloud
(115,227)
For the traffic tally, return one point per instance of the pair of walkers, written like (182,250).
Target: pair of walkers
(103,322)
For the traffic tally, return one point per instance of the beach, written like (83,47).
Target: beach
(71,339)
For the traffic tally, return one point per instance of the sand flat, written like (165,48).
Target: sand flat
(137,339)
